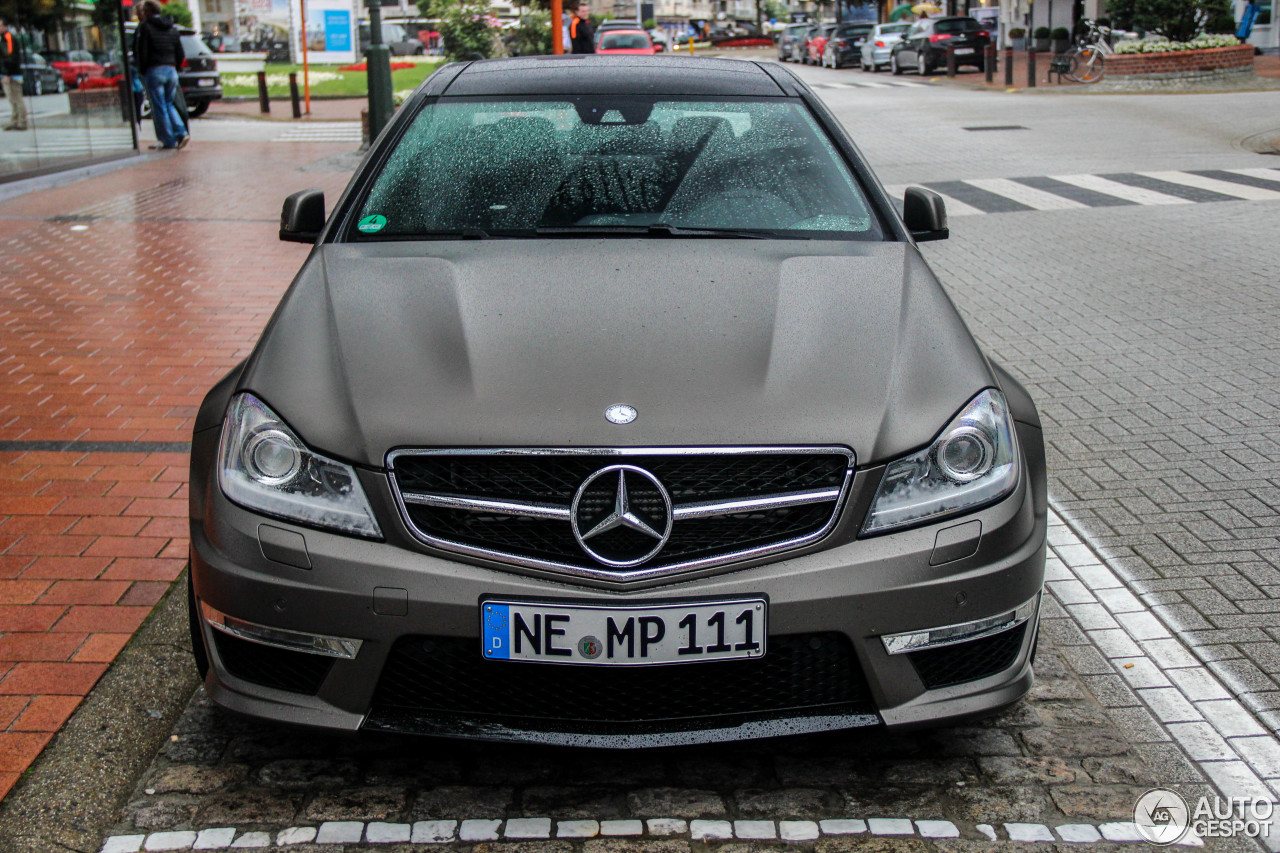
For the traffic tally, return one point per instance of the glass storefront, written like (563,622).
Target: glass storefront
(74,87)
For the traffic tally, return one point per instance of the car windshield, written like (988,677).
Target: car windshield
(894,29)
(957,25)
(194,46)
(853,31)
(623,41)
(618,165)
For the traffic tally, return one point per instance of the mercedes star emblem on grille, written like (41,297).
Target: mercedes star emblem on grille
(621,515)
(620,414)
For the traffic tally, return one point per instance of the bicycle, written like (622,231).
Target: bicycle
(1085,62)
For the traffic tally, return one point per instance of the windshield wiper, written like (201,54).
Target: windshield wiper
(659,229)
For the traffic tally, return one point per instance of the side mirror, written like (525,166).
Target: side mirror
(302,217)
(925,215)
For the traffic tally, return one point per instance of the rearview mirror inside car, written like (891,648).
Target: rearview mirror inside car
(925,215)
(302,217)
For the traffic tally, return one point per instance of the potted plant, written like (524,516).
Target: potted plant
(1061,39)
(1042,38)
(1018,38)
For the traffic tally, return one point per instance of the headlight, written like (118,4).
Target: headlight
(263,466)
(973,461)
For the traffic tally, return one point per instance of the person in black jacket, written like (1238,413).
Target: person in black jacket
(11,77)
(157,49)
(582,35)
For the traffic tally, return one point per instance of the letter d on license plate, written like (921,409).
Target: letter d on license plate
(623,635)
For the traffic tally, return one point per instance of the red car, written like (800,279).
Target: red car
(817,42)
(74,65)
(625,41)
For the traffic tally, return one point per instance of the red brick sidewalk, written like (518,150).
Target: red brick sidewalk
(123,298)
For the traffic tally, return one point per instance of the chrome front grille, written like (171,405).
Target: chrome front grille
(518,506)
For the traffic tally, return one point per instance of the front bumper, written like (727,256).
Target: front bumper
(398,592)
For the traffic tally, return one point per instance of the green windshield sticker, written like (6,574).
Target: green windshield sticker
(372,224)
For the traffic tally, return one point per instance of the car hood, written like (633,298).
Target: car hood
(525,343)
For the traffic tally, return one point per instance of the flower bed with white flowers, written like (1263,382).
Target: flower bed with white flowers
(1202,57)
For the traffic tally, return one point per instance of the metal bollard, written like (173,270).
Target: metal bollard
(951,60)
(293,94)
(264,102)
(1031,68)
(1008,66)
(989,63)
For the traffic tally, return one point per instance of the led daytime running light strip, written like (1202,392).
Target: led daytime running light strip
(294,641)
(936,638)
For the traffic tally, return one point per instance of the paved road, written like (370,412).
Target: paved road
(1143,327)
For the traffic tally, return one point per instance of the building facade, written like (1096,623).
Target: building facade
(76,104)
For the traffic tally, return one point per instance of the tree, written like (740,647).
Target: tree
(42,15)
(179,11)
(1176,20)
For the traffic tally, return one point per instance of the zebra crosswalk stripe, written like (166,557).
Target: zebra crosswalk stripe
(1243,191)
(1030,196)
(1137,195)
(976,196)
(1265,174)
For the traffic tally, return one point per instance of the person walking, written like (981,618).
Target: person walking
(157,49)
(11,77)
(582,35)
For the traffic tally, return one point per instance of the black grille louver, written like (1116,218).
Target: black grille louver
(801,674)
(968,661)
(297,672)
(552,478)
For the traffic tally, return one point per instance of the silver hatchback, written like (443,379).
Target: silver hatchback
(878,46)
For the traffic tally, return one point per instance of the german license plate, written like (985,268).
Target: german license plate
(623,635)
(960,50)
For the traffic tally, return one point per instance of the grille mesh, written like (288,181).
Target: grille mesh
(968,661)
(553,479)
(446,675)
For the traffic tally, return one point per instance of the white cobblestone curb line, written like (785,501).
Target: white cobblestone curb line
(1235,752)
(529,828)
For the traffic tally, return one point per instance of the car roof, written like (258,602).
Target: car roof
(588,74)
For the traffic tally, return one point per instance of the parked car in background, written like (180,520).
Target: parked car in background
(924,46)
(74,65)
(877,47)
(224,43)
(844,47)
(625,42)
(109,60)
(817,42)
(199,78)
(198,75)
(395,37)
(39,77)
(790,41)
(659,38)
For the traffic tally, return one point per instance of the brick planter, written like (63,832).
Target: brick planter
(92,100)
(1182,64)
